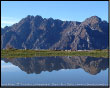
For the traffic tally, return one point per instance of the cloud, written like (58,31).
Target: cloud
(8,21)
(7,18)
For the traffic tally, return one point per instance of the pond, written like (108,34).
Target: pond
(54,71)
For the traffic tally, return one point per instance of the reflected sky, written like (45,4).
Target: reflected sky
(77,70)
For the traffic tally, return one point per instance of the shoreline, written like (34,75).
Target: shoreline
(14,53)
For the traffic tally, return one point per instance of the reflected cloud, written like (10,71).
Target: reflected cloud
(7,66)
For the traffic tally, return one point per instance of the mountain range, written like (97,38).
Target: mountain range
(35,32)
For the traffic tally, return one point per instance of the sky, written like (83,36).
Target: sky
(13,11)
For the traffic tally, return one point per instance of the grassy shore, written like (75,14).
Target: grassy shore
(34,53)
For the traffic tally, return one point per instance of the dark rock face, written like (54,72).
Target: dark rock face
(41,33)
(38,64)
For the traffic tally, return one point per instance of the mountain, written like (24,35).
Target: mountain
(41,33)
(38,64)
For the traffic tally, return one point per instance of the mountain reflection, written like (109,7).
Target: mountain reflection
(38,64)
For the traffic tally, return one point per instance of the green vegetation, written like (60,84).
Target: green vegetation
(14,53)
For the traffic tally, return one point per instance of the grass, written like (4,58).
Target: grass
(33,53)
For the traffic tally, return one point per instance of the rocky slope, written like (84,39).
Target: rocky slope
(41,33)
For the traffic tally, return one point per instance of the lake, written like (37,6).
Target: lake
(54,71)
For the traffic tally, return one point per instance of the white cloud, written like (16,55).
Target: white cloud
(8,21)
(7,18)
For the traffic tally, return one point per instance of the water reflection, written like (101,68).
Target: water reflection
(38,64)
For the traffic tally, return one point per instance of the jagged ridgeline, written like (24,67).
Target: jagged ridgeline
(42,33)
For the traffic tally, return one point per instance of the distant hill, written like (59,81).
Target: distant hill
(41,33)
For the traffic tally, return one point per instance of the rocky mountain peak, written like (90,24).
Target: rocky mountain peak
(92,20)
(35,32)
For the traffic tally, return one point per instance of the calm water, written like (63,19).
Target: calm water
(54,71)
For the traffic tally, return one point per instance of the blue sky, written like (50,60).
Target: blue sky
(14,11)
